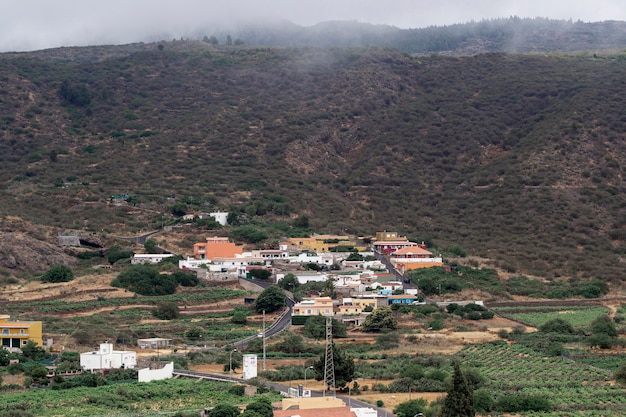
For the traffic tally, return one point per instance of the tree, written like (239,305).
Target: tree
(58,273)
(166,311)
(262,406)
(460,399)
(411,408)
(194,333)
(72,93)
(344,367)
(186,279)
(229,40)
(239,317)
(270,300)
(117,252)
(381,319)
(289,282)
(301,222)
(150,246)
(32,353)
(604,325)
(4,357)
(179,209)
(145,280)
(259,273)
(557,325)
(315,327)
(224,410)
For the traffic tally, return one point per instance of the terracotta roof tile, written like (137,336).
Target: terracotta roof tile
(316,412)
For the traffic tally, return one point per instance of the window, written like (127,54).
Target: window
(5,331)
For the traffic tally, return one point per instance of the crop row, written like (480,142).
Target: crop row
(569,386)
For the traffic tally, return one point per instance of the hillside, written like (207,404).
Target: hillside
(517,158)
(512,35)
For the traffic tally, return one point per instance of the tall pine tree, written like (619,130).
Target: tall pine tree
(460,399)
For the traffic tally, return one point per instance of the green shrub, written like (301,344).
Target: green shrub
(516,403)
(166,311)
(145,280)
(58,273)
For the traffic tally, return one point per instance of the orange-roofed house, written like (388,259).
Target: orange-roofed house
(216,247)
(414,257)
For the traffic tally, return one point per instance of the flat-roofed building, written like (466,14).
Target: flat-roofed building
(16,333)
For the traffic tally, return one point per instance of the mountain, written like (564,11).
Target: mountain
(516,158)
(512,35)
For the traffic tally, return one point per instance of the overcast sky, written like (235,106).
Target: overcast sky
(39,24)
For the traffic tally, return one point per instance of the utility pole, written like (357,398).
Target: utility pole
(329,363)
(264,365)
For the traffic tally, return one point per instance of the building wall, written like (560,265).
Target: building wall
(147,374)
(107,358)
(18,333)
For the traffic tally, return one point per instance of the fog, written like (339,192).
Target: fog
(38,24)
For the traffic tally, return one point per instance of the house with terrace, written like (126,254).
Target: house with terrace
(414,257)
(318,306)
(17,333)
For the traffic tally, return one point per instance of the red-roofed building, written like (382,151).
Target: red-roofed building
(414,257)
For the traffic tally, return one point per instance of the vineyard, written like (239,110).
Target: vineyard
(124,399)
(574,389)
(577,316)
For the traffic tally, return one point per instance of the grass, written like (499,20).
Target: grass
(576,316)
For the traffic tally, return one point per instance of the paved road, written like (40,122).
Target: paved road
(283,322)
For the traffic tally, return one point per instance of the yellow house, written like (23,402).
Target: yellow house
(15,333)
(320,243)
(319,306)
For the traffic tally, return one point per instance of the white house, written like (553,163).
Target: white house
(219,216)
(107,358)
(149,258)
(303,278)
(320,259)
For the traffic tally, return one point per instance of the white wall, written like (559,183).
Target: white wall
(147,374)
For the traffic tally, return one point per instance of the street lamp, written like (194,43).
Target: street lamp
(349,395)
(230,361)
(306,369)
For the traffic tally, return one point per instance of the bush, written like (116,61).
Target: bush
(117,252)
(186,279)
(145,280)
(620,374)
(166,311)
(239,318)
(58,273)
(557,325)
(516,403)
(483,402)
